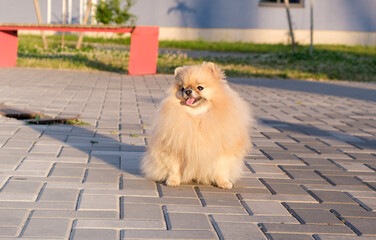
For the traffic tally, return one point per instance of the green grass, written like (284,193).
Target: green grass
(55,40)
(334,62)
(76,122)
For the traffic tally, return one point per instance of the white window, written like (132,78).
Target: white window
(281,3)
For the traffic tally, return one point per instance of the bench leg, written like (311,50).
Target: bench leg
(144,51)
(8,48)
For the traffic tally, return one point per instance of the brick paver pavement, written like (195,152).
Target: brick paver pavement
(311,174)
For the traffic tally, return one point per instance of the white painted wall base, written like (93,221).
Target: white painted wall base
(268,36)
(251,35)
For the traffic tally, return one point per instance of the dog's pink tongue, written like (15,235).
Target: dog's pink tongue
(190,101)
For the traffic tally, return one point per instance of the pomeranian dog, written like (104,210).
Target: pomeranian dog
(201,132)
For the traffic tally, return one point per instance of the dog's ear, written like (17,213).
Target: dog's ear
(214,69)
(178,70)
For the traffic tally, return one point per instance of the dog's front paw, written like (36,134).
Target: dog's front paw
(224,183)
(173,181)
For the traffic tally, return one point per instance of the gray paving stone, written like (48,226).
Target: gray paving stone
(95,234)
(265,169)
(316,216)
(143,211)
(17,143)
(99,202)
(59,195)
(193,221)
(266,161)
(18,197)
(296,174)
(343,180)
(171,234)
(333,197)
(366,226)
(367,179)
(133,187)
(240,231)
(107,159)
(79,164)
(72,214)
(267,208)
(131,166)
(22,187)
(220,199)
(19,152)
(72,152)
(342,237)
(286,188)
(9,161)
(119,224)
(72,159)
(278,198)
(54,149)
(322,187)
(367,203)
(372,185)
(354,166)
(316,161)
(131,156)
(13,217)
(281,236)
(255,219)
(162,201)
(21,204)
(179,191)
(35,166)
(322,167)
(355,213)
(8,231)
(3,180)
(125,126)
(105,146)
(44,228)
(133,139)
(51,138)
(327,206)
(306,228)
(207,210)
(101,176)
(68,172)
(236,189)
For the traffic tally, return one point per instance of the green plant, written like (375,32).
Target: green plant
(110,12)
(75,122)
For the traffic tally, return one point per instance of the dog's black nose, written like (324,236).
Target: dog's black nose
(188,92)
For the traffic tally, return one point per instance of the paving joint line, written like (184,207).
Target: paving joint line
(200,197)
(216,228)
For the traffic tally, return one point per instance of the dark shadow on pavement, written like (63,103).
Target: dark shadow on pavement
(322,88)
(357,141)
(84,144)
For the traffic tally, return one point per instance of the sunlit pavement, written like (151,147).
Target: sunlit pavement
(311,174)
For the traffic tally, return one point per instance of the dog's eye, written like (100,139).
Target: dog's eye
(182,89)
(200,88)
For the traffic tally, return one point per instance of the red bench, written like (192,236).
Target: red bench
(143,49)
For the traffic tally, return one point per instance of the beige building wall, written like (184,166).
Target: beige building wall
(268,36)
(252,35)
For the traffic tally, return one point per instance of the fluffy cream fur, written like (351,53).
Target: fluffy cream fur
(205,141)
